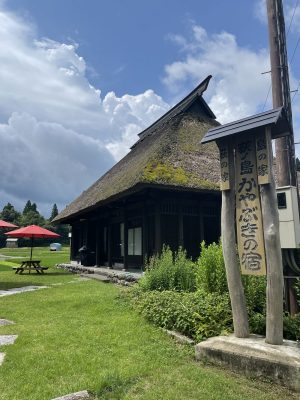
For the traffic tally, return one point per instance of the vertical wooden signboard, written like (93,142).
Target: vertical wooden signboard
(224,164)
(248,208)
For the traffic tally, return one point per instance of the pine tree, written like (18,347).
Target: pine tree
(297,164)
(54,212)
(27,207)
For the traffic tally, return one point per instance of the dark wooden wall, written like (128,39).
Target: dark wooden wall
(176,219)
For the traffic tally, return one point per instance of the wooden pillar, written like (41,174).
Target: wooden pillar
(274,321)
(201,224)
(180,227)
(145,236)
(234,280)
(109,244)
(98,248)
(158,243)
(72,250)
(125,239)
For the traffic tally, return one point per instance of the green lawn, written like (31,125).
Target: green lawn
(80,335)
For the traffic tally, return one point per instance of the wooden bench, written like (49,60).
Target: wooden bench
(30,265)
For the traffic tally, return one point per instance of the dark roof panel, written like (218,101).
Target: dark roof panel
(276,118)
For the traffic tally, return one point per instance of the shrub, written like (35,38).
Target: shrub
(211,274)
(168,272)
(291,327)
(198,315)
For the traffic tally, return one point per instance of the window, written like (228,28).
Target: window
(135,241)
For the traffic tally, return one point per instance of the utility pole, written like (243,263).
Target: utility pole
(284,147)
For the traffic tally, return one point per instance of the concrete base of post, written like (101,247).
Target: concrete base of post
(254,357)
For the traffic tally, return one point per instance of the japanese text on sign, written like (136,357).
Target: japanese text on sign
(248,218)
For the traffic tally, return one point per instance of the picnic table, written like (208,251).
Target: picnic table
(28,265)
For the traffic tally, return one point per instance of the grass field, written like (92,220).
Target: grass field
(79,335)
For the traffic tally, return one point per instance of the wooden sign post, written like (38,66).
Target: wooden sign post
(249,204)
(234,281)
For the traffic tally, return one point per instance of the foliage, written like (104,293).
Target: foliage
(54,212)
(198,315)
(298,164)
(211,275)
(291,327)
(9,214)
(179,274)
(169,272)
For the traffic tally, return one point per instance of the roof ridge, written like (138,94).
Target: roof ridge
(177,109)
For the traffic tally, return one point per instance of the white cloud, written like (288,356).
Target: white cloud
(238,88)
(57,134)
(260,10)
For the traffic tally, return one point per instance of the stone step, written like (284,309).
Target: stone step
(97,277)
(74,396)
(7,339)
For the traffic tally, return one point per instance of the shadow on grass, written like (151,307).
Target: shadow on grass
(15,285)
(113,387)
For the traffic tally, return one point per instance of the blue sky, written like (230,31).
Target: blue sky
(81,78)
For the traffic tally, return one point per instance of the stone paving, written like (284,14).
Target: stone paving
(4,322)
(6,339)
(74,396)
(9,292)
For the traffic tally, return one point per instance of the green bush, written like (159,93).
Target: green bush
(169,272)
(211,274)
(165,296)
(291,327)
(198,315)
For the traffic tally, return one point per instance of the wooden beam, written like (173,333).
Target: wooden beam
(158,243)
(145,250)
(109,244)
(235,286)
(125,238)
(274,321)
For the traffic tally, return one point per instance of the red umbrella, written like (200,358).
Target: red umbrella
(32,231)
(4,224)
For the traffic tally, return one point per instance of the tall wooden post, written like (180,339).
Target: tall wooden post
(235,286)
(274,321)
(158,244)
(125,239)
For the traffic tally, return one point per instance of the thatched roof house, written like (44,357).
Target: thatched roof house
(152,196)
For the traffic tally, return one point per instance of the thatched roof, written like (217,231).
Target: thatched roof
(168,153)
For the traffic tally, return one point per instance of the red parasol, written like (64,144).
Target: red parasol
(4,224)
(32,231)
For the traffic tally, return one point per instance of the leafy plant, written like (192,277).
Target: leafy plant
(169,272)
(211,275)
(198,315)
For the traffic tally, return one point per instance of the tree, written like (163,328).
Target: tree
(297,164)
(54,212)
(27,207)
(9,214)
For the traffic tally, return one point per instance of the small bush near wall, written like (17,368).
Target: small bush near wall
(169,271)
